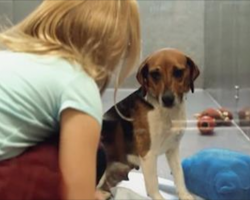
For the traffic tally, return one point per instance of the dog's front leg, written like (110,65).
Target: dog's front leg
(149,170)
(177,171)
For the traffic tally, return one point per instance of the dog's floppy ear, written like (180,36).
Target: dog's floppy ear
(194,72)
(142,74)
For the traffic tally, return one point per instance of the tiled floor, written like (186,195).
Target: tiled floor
(224,137)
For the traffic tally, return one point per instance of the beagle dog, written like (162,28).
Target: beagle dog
(157,122)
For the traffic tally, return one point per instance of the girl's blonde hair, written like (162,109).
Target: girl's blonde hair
(97,34)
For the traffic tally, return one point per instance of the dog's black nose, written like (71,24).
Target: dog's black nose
(168,99)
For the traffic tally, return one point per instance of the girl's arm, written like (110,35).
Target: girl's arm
(79,138)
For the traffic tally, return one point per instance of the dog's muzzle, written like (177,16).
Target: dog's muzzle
(168,99)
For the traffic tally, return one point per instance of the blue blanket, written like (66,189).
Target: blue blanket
(217,174)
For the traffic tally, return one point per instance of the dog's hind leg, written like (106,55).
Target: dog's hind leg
(177,171)
(102,182)
(115,173)
(148,164)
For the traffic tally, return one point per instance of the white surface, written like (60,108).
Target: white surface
(134,189)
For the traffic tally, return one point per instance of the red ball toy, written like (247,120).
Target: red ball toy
(206,125)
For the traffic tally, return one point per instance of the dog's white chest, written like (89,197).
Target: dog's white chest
(165,127)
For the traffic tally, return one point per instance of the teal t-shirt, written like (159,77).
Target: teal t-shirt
(34,90)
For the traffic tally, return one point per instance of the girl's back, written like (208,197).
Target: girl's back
(33,92)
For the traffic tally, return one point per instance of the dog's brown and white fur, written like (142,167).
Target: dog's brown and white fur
(157,110)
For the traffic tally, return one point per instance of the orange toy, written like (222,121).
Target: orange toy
(222,116)
(227,116)
(244,116)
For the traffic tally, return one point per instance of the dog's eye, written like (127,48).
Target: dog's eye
(156,75)
(178,73)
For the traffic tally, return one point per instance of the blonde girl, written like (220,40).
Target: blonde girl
(55,64)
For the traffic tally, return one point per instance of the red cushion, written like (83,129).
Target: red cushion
(32,175)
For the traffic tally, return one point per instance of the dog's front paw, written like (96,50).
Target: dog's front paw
(186,196)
